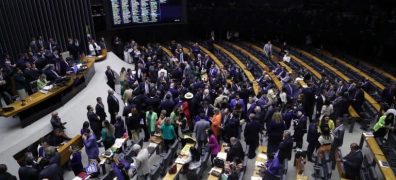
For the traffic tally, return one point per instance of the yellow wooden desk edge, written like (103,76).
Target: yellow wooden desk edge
(102,56)
(64,151)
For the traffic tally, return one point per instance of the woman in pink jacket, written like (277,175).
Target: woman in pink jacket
(213,145)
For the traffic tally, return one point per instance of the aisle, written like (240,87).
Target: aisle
(13,138)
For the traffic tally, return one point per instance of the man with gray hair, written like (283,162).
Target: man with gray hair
(113,105)
(200,133)
(141,161)
(285,147)
(235,150)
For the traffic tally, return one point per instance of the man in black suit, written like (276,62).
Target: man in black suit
(100,110)
(168,104)
(28,172)
(235,150)
(94,121)
(111,78)
(50,171)
(353,162)
(252,131)
(56,121)
(285,147)
(113,105)
(50,72)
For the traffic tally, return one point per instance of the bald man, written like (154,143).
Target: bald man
(56,121)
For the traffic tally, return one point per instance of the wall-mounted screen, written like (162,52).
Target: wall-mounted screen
(134,12)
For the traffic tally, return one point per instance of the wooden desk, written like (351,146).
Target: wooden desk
(367,96)
(185,150)
(261,152)
(40,104)
(301,177)
(260,63)
(248,74)
(211,177)
(64,150)
(167,51)
(102,56)
(378,156)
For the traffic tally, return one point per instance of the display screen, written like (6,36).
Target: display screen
(133,12)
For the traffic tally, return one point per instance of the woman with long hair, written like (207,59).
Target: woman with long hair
(275,132)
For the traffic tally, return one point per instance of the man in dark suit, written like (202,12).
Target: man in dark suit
(56,121)
(113,105)
(50,171)
(28,172)
(252,131)
(51,74)
(358,98)
(100,110)
(285,147)
(235,150)
(168,104)
(94,121)
(111,78)
(353,162)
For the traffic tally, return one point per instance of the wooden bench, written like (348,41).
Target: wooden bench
(248,74)
(102,56)
(378,154)
(64,150)
(263,66)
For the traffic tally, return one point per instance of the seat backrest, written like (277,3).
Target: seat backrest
(33,86)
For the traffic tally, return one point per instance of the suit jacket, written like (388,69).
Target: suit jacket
(110,76)
(338,134)
(51,172)
(28,173)
(285,149)
(200,130)
(113,104)
(252,131)
(235,151)
(100,111)
(353,162)
(56,124)
(94,121)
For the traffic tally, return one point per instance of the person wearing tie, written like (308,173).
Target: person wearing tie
(268,49)
(110,77)
(113,105)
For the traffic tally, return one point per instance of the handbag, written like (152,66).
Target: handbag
(173,169)
(218,162)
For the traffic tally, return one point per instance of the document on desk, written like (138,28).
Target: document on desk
(118,143)
(368,134)
(222,155)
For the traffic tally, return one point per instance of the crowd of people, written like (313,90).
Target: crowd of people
(187,93)
(40,66)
